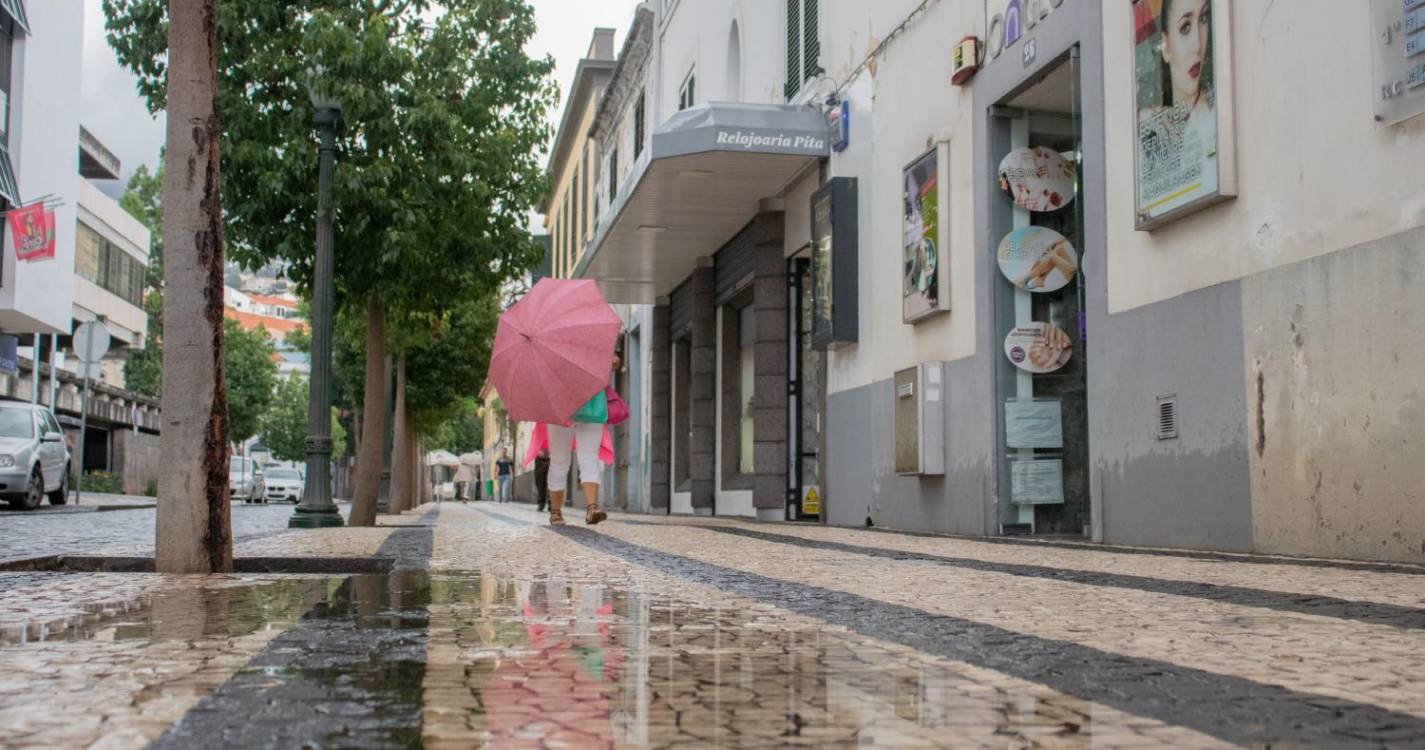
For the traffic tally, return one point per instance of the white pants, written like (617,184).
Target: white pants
(587,436)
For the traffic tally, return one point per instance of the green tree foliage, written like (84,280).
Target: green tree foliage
(438,165)
(251,376)
(143,199)
(463,432)
(448,366)
(284,426)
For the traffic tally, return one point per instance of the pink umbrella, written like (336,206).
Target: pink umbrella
(554,350)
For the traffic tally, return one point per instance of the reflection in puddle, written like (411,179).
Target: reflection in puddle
(580,665)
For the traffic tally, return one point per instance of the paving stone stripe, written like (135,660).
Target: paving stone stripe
(1407,618)
(1234,709)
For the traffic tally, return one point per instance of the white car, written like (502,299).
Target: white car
(284,484)
(34,460)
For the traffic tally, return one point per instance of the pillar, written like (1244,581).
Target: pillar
(660,423)
(770,354)
(702,382)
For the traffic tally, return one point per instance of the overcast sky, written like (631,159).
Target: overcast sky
(114,112)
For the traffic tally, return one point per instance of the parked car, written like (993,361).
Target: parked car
(34,460)
(245,481)
(284,484)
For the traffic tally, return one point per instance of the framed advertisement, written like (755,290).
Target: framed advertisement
(923,291)
(1184,148)
(834,262)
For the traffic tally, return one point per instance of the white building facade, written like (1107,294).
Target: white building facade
(1183,315)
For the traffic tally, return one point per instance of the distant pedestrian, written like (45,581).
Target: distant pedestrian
(504,473)
(541,478)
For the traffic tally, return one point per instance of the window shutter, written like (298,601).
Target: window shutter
(794,48)
(811,47)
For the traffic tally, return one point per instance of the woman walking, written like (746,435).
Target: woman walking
(590,441)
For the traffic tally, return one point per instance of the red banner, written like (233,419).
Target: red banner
(34,233)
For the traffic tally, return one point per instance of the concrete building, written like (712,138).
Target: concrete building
(1084,288)
(574,158)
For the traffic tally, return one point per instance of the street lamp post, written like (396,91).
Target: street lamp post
(317,509)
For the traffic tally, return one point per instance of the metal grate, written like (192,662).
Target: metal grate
(1168,418)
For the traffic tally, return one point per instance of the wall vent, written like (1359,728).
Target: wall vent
(1168,418)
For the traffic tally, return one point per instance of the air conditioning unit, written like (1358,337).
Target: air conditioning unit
(920,420)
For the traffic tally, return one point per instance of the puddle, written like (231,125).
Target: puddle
(383,661)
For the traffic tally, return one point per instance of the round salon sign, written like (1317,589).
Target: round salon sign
(1038,347)
(1038,259)
(1037,179)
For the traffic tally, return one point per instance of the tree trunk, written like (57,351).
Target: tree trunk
(401,469)
(368,463)
(417,471)
(193,531)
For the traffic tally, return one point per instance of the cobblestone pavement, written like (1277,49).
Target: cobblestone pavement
(495,630)
(89,503)
(128,531)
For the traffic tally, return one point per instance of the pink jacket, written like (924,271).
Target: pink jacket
(539,441)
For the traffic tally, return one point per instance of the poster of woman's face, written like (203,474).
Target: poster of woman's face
(921,251)
(1178,139)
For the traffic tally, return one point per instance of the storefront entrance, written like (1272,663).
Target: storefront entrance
(806,404)
(1040,312)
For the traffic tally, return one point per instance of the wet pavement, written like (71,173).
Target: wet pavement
(495,630)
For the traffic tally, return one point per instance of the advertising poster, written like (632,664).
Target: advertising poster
(27,227)
(1038,347)
(921,252)
(1178,165)
(821,268)
(1037,259)
(1037,179)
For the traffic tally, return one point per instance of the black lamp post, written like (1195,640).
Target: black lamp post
(317,509)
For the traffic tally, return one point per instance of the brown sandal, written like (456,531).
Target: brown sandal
(556,517)
(593,516)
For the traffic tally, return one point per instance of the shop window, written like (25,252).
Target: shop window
(682,414)
(738,385)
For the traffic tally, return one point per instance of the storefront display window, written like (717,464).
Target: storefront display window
(1040,310)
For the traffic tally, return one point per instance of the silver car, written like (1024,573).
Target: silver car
(34,460)
(245,481)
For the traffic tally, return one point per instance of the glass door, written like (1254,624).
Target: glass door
(1041,372)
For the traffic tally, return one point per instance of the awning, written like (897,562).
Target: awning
(695,186)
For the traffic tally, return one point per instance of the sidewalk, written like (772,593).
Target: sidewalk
(495,629)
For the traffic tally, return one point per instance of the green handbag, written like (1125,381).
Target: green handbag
(596,411)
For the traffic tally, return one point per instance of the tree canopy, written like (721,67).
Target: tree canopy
(444,117)
(251,376)
(284,426)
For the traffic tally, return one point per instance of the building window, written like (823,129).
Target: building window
(578,216)
(613,175)
(7,50)
(688,92)
(803,44)
(104,263)
(639,132)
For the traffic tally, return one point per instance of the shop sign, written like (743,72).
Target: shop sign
(771,141)
(33,230)
(838,123)
(922,292)
(1033,424)
(1038,347)
(1038,259)
(9,354)
(1017,18)
(834,263)
(1184,147)
(1399,27)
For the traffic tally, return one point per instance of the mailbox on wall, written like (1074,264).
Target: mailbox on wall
(834,263)
(920,420)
